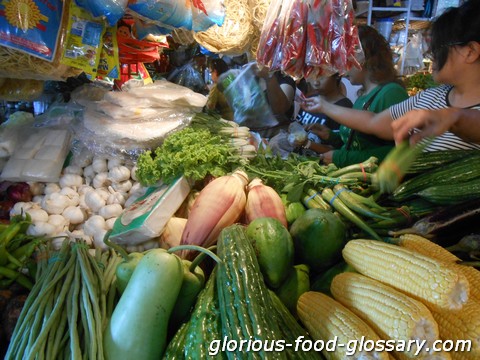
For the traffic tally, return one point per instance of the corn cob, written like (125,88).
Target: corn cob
(435,283)
(390,313)
(325,318)
(429,248)
(220,204)
(461,325)
(264,201)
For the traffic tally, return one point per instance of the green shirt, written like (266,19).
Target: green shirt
(362,145)
(216,101)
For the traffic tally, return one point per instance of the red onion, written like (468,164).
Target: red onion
(19,192)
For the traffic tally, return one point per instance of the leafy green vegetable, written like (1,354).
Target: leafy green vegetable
(421,81)
(292,174)
(194,153)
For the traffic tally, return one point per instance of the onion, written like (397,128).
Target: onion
(19,192)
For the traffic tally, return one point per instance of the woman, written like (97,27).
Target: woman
(380,90)
(296,138)
(279,90)
(465,123)
(455,50)
(216,100)
(330,87)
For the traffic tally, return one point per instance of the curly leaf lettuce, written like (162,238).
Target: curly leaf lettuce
(189,152)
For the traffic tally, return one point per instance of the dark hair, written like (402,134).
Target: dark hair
(219,66)
(456,26)
(378,55)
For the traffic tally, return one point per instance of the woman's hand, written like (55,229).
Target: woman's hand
(313,104)
(322,131)
(327,157)
(429,122)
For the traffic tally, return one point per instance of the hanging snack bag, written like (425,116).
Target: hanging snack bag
(31,26)
(83,42)
(109,64)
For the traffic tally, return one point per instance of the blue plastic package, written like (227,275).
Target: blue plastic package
(113,10)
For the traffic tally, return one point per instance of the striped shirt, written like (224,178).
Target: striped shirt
(431,99)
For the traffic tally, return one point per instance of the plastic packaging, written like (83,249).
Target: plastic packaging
(246,98)
(40,156)
(168,13)
(188,76)
(113,10)
(196,15)
(11,130)
(310,38)
(83,40)
(126,123)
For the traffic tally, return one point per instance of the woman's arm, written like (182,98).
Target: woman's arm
(280,96)
(462,122)
(361,120)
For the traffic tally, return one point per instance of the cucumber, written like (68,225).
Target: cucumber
(205,324)
(291,330)
(430,160)
(454,173)
(452,194)
(176,346)
(244,301)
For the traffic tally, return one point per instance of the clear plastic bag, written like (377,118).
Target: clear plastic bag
(295,39)
(105,135)
(247,99)
(206,13)
(126,123)
(271,35)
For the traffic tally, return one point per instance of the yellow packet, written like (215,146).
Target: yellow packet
(109,65)
(83,39)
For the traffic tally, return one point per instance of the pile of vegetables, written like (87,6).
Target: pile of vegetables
(68,308)
(91,193)
(16,253)
(10,194)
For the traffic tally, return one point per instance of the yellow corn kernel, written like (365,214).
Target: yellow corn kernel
(325,319)
(433,282)
(429,248)
(459,326)
(390,313)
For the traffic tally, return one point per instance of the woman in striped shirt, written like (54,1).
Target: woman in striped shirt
(455,50)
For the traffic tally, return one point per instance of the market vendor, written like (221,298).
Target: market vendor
(216,99)
(380,90)
(455,50)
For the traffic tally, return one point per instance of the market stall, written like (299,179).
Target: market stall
(136,224)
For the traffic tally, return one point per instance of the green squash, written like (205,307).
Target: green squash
(319,237)
(323,281)
(273,246)
(296,283)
